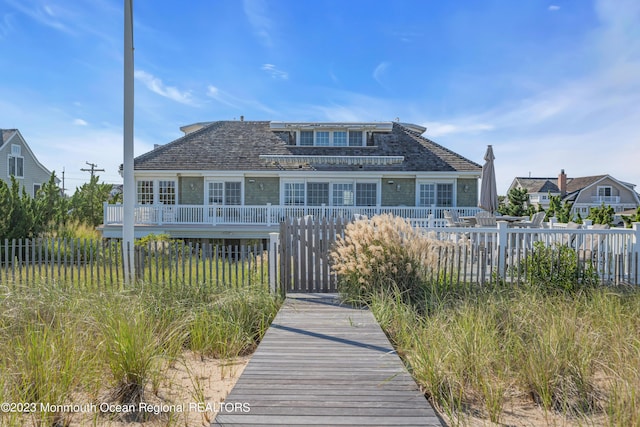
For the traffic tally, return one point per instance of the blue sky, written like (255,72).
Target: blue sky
(550,84)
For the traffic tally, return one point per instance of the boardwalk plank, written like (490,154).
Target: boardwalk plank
(321,363)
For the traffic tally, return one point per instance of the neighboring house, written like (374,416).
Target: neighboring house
(17,159)
(584,192)
(239,179)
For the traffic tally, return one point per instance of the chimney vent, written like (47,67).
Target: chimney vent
(242,118)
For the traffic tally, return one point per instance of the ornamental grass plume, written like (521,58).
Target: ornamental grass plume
(384,252)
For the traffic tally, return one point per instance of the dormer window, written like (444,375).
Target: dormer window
(335,138)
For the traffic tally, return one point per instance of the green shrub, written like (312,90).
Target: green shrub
(557,268)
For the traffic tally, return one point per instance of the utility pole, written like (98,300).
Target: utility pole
(129,186)
(93,170)
(63,187)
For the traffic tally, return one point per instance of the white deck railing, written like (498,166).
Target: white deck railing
(269,215)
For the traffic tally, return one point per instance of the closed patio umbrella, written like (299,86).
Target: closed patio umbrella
(488,190)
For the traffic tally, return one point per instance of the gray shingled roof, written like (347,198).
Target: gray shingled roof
(539,185)
(543,185)
(237,145)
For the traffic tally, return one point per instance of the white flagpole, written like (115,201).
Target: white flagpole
(129,197)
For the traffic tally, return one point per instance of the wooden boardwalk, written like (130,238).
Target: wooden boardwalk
(325,364)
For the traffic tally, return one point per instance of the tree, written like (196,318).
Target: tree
(602,215)
(50,207)
(561,210)
(630,219)
(88,201)
(17,212)
(516,203)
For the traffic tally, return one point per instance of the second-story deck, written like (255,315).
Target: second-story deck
(255,221)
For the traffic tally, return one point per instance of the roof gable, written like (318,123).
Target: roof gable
(8,136)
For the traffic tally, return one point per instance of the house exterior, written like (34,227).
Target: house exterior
(239,179)
(584,192)
(18,160)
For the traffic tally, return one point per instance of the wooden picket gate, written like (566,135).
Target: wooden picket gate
(305,244)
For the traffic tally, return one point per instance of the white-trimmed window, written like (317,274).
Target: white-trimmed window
(437,193)
(334,138)
(216,193)
(366,194)
(306,137)
(355,138)
(322,138)
(232,193)
(36,188)
(605,191)
(340,139)
(224,193)
(343,194)
(167,192)
(15,162)
(294,193)
(317,193)
(337,193)
(145,192)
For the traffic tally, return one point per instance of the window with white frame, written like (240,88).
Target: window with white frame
(604,191)
(145,192)
(444,194)
(306,137)
(439,194)
(355,138)
(167,192)
(15,162)
(317,193)
(224,193)
(366,194)
(330,193)
(340,139)
(36,188)
(294,193)
(343,194)
(215,193)
(335,138)
(232,193)
(322,138)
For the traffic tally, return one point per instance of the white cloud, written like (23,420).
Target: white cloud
(380,71)
(6,25)
(42,14)
(554,8)
(436,129)
(275,72)
(237,102)
(156,85)
(256,12)
(80,122)
(218,95)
